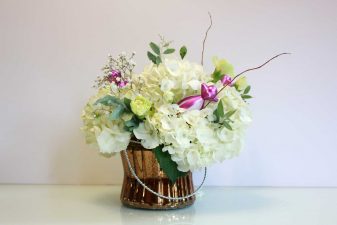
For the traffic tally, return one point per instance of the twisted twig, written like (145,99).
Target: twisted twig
(254,68)
(204,41)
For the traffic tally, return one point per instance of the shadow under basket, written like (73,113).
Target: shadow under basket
(134,195)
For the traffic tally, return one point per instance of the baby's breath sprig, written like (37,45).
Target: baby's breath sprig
(117,70)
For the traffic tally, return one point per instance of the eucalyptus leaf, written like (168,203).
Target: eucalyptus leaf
(109,100)
(151,57)
(131,124)
(169,167)
(155,48)
(169,51)
(116,114)
(183,52)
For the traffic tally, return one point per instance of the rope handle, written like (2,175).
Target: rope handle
(156,193)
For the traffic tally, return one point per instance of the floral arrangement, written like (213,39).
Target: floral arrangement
(190,118)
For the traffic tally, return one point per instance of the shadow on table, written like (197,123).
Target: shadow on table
(184,216)
(214,202)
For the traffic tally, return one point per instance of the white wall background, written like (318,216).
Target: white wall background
(51,51)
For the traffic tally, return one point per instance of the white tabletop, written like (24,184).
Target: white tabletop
(65,204)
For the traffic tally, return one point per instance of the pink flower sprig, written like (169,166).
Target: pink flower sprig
(227,80)
(115,76)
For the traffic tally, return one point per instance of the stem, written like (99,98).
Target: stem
(258,67)
(254,68)
(204,41)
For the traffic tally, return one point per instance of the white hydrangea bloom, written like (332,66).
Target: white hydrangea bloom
(113,139)
(109,136)
(148,137)
(170,81)
(192,137)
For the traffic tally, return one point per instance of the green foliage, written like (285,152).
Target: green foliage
(158,60)
(155,48)
(246,96)
(152,57)
(219,112)
(109,100)
(217,75)
(131,124)
(227,125)
(225,117)
(183,52)
(127,103)
(164,48)
(229,114)
(169,51)
(116,114)
(120,106)
(246,91)
(169,167)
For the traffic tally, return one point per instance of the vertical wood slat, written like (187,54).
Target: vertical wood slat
(147,168)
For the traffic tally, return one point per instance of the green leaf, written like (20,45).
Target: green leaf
(169,51)
(151,57)
(236,87)
(116,114)
(220,109)
(127,103)
(217,117)
(247,89)
(219,112)
(158,60)
(183,52)
(227,125)
(166,44)
(109,100)
(155,48)
(217,75)
(169,167)
(246,96)
(229,113)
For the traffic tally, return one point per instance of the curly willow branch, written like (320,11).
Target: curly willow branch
(247,70)
(204,41)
